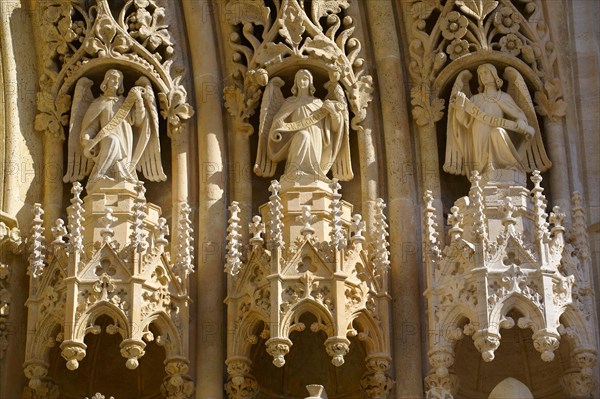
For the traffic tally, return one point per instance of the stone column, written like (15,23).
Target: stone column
(367,150)
(559,173)
(20,181)
(403,212)
(22,170)
(430,172)
(53,185)
(211,227)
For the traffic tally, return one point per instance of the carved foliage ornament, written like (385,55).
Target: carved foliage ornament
(443,33)
(76,39)
(266,38)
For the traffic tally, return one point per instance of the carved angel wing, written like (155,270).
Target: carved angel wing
(533,154)
(271,103)
(342,165)
(78,166)
(146,155)
(455,153)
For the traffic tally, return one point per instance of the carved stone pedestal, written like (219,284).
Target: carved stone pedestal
(314,258)
(319,199)
(505,252)
(116,262)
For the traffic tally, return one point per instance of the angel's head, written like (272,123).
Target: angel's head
(113,82)
(488,74)
(303,83)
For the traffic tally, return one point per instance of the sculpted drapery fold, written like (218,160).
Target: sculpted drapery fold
(311,134)
(112,136)
(478,135)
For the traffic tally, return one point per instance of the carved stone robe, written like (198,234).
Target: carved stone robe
(312,145)
(112,157)
(482,145)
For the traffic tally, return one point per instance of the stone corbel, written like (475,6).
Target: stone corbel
(241,383)
(441,382)
(177,384)
(39,387)
(278,348)
(337,348)
(579,381)
(376,382)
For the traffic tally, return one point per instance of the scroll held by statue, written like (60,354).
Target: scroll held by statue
(491,120)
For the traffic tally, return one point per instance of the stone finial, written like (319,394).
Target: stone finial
(138,234)
(233,259)
(98,395)
(185,239)
(578,232)
(509,221)
(275,227)
(107,221)
(338,235)
(257,229)
(455,219)
(38,252)
(161,232)
(539,208)
(382,253)
(430,229)
(478,205)
(59,232)
(307,219)
(76,220)
(357,229)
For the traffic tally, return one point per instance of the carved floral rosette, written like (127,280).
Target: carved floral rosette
(292,267)
(111,259)
(506,253)
(78,41)
(266,40)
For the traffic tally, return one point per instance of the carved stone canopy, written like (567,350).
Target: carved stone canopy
(294,33)
(82,41)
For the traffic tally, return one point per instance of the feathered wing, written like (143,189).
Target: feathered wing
(78,166)
(455,151)
(271,103)
(532,152)
(342,165)
(148,142)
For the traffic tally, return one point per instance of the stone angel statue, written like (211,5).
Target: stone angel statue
(310,134)
(493,129)
(111,136)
